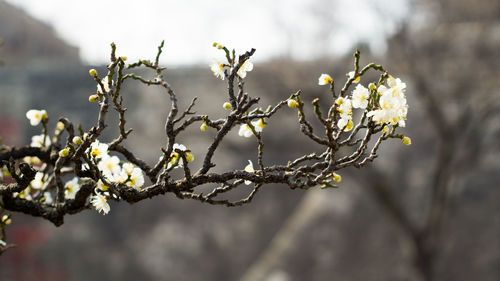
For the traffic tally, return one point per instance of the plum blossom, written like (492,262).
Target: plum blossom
(109,166)
(324,79)
(71,188)
(175,156)
(351,75)
(246,131)
(98,149)
(38,181)
(244,68)
(38,141)
(100,203)
(249,169)
(36,116)
(392,106)
(344,107)
(218,69)
(360,97)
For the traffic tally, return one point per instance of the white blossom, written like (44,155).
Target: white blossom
(246,131)
(218,69)
(100,203)
(344,107)
(244,68)
(98,149)
(105,83)
(48,197)
(71,188)
(392,106)
(109,166)
(136,178)
(360,97)
(38,181)
(324,79)
(175,157)
(38,141)
(351,75)
(249,169)
(36,116)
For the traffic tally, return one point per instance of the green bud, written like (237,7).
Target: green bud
(93,98)
(336,177)
(292,103)
(204,127)
(77,140)
(93,72)
(227,105)
(64,152)
(406,140)
(385,129)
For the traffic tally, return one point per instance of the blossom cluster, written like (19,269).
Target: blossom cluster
(112,169)
(389,106)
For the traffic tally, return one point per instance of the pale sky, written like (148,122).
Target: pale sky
(304,29)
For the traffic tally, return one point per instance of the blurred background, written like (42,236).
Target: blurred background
(430,211)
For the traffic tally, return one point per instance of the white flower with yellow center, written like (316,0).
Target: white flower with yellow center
(360,97)
(324,79)
(175,157)
(244,68)
(48,197)
(109,166)
(392,106)
(105,83)
(32,160)
(101,186)
(218,69)
(351,76)
(36,116)
(71,188)
(344,107)
(38,141)
(100,203)
(38,181)
(98,149)
(136,178)
(246,131)
(249,169)
(131,175)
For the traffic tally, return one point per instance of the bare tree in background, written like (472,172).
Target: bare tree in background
(450,56)
(450,65)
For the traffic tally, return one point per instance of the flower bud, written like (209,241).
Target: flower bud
(6,219)
(204,126)
(292,103)
(385,130)
(64,152)
(77,140)
(336,177)
(349,126)
(406,140)
(93,98)
(123,58)
(189,157)
(325,79)
(372,86)
(227,105)
(60,126)
(93,72)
